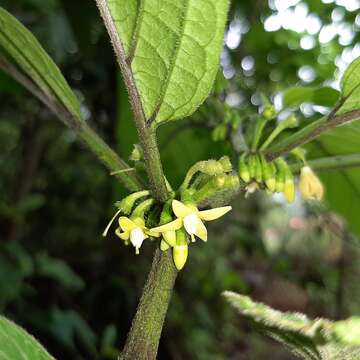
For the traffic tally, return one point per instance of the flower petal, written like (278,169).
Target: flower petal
(170,237)
(152,233)
(213,214)
(122,235)
(171,226)
(126,224)
(201,231)
(180,210)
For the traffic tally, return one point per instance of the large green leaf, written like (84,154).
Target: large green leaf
(17,344)
(350,86)
(22,48)
(173,48)
(318,339)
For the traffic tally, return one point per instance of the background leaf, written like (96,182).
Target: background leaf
(350,85)
(17,344)
(295,96)
(18,44)
(174,49)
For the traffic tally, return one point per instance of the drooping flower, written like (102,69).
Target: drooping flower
(134,229)
(310,185)
(189,217)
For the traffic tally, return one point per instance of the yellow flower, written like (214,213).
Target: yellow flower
(189,217)
(311,187)
(134,230)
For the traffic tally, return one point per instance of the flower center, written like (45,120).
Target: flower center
(190,223)
(137,237)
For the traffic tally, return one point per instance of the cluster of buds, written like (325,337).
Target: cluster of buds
(180,221)
(276,176)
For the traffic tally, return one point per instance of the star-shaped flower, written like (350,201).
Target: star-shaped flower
(189,217)
(134,230)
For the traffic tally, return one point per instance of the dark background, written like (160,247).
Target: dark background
(76,291)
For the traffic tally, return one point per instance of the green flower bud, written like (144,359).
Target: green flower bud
(211,167)
(280,176)
(252,165)
(244,172)
(180,250)
(289,185)
(137,153)
(142,208)
(126,204)
(268,174)
(225,164)
(269,112)
(258,170)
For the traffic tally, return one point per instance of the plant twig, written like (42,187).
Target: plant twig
(310,132)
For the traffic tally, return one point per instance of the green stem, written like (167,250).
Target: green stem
(144,336)
(310,132)
(331,163)
(109,158)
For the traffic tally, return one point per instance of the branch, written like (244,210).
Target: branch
(97,145)
(310,132)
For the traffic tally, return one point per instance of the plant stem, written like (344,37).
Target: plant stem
(331,163)
(109,158)
(310,132)
(143,338)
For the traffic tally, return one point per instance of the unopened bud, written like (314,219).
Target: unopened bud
(126,204)
(180,250)
(137,153)
(269,112)
(225,164)
(244,172)
(310,185)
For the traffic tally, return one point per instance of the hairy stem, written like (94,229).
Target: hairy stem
(310,132)
(143,338)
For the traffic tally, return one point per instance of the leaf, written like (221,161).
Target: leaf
(350,87)
(318,339)
(173,48)
(296,96)
(18,44)
(59,271)
(17,344)
(68,325)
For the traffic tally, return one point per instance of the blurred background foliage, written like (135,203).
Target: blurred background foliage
(76,291)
